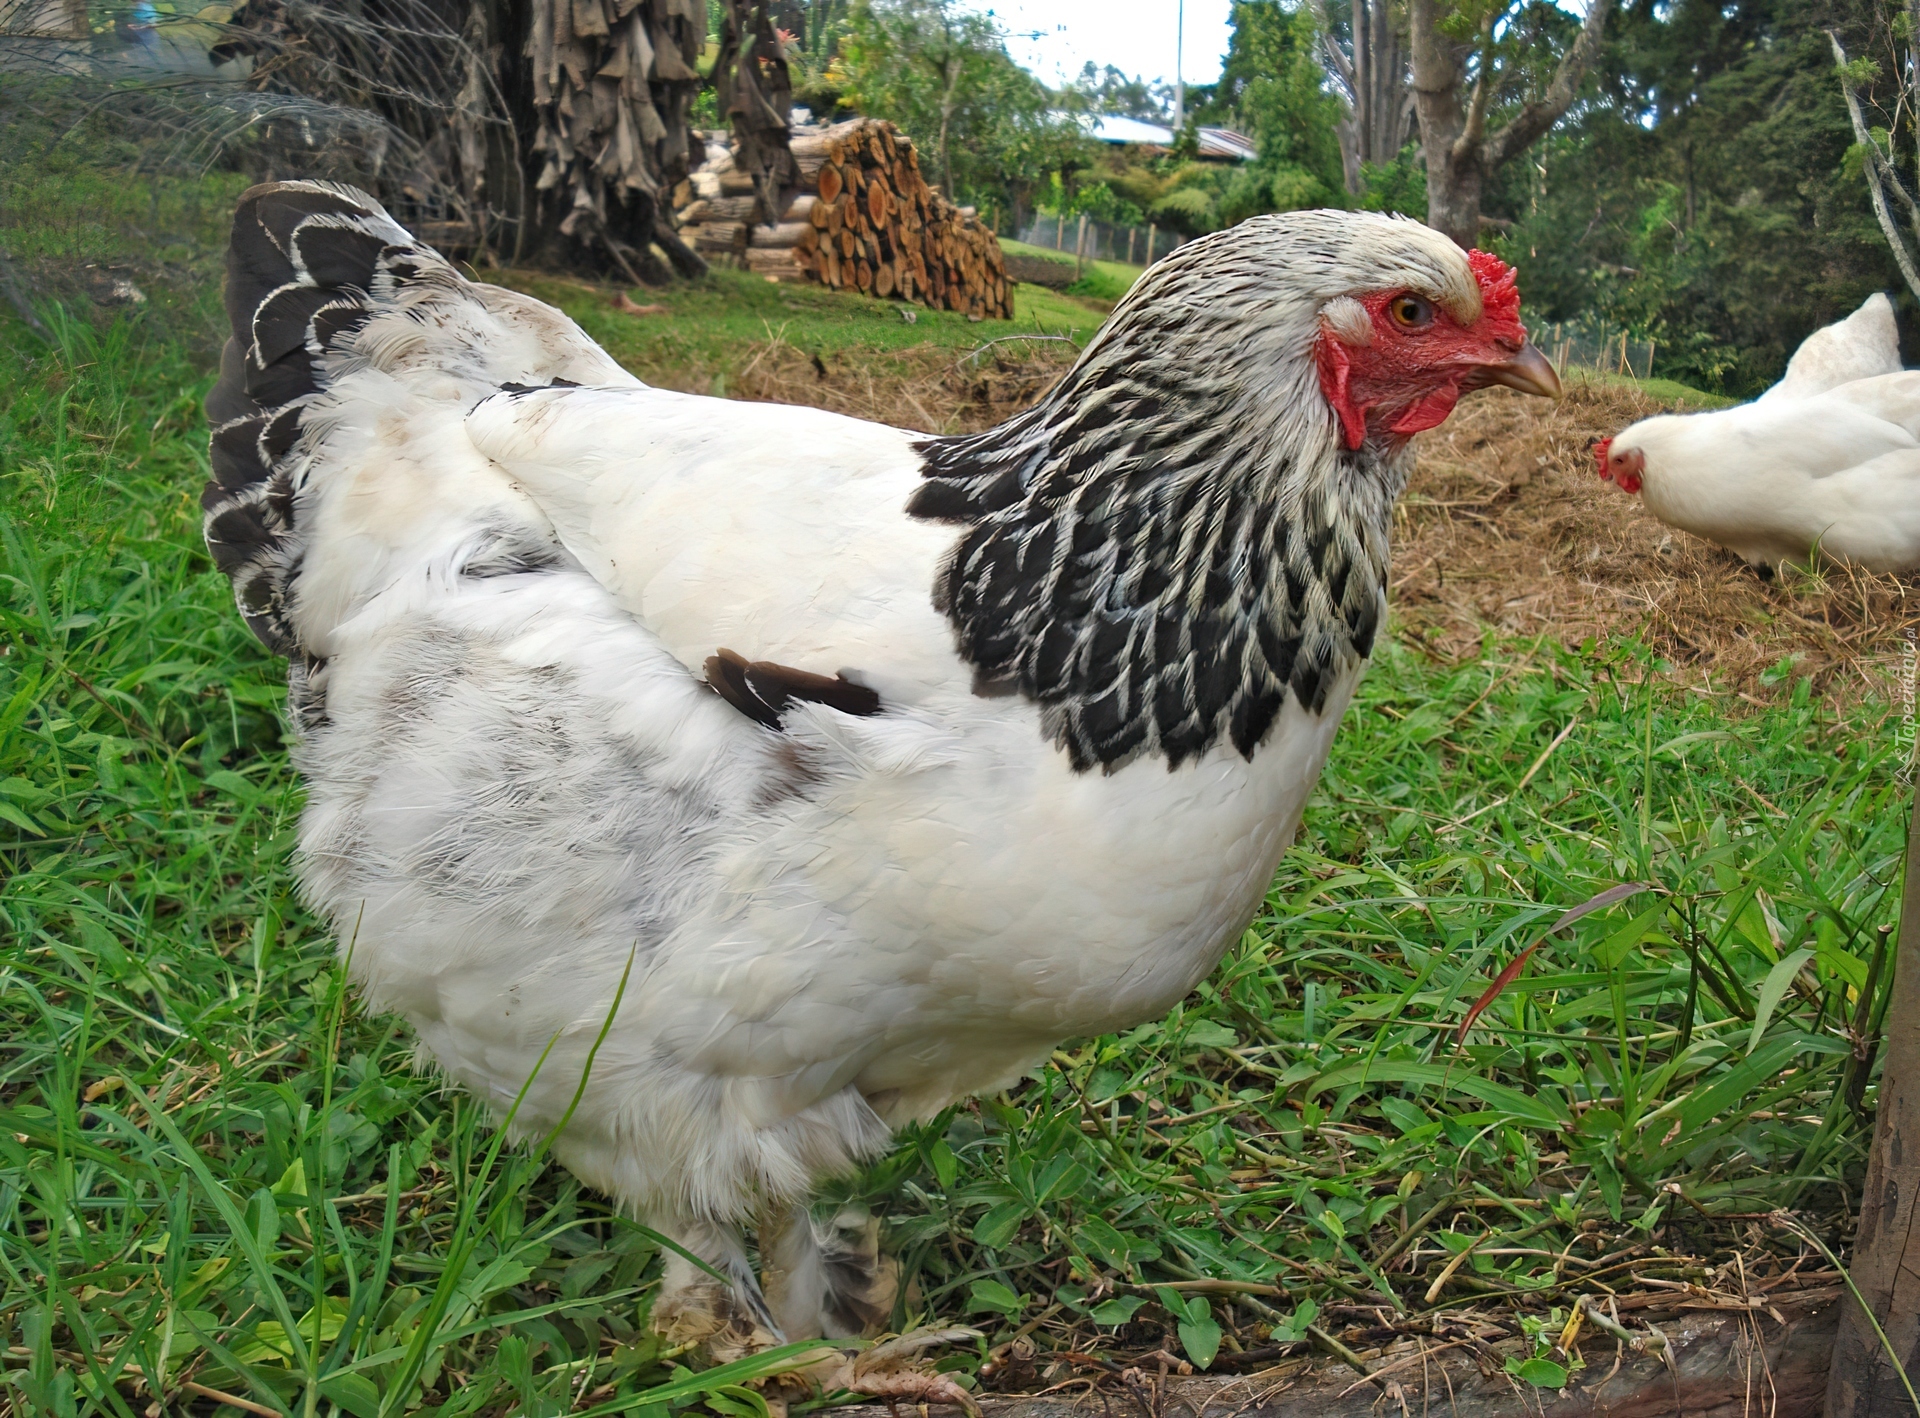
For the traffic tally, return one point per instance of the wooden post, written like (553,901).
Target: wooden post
(1153,230)
(1132,232)
(1060,232)
(1886,1251)
(1080,245)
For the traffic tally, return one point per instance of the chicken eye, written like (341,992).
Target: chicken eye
(1410,312)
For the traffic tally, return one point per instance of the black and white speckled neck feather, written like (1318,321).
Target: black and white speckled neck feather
(1174,540)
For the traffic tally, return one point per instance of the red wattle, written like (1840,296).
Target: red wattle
(1336,369)
(1430,412)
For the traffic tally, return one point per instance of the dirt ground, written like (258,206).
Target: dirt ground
(1505,526)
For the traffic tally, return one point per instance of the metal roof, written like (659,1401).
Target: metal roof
(1213,142)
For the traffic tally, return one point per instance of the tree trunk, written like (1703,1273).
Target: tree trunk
(1461,154)
(1373,81)
(1886,1253)
(1454,175)
(515,129)
(1453,199)
(952,77)
(1882,177)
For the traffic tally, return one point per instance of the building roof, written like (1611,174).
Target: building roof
(1213,142)
(1225,143)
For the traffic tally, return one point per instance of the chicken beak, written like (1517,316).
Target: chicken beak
(1528,371)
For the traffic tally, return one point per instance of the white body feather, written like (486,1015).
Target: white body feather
(809,968)
(501,602)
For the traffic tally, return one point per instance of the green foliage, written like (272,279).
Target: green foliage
(1273,88)
(1107,90)
(1688,1047)
(987,129)
(1399,186)
(1707,199)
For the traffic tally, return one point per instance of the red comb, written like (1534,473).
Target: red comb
(1600,452)
(1498,291)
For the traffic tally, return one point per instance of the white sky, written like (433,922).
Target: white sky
(1054,38)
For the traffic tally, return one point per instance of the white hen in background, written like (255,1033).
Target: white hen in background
(1825,464)
(887,761)
(1865,344)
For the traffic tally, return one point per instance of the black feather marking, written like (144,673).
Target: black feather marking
(1153,566)
(281,323)
(288,378)
(281,432)
(520,391)
(302,263)
(339,256)
(228,399)
(763,691)
(235,454)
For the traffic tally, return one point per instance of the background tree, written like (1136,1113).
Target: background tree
(1893,60)
(555,129)
(1364,46)
(1473,59)
(1108,90)
(991,131)
(1707,192)
(1272,87)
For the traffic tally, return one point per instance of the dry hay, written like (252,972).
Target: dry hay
(1507,525)
(926,387)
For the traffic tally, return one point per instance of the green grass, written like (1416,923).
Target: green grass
(215,1170)
(1104,281)
(711,328)
(1683,397)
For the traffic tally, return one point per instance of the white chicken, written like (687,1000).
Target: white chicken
(1825,464)
(874,763)
(1865,344)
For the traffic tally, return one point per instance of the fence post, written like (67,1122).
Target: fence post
(1132,232)
(1153,230)
(1060,232)
(1080,245)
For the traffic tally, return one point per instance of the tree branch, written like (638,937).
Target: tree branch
(1871,167)
(1536,118)
(1482,95)
(1337,62)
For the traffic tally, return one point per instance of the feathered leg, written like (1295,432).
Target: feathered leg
(731,1317)
(827,1277)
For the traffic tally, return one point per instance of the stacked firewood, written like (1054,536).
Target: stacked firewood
(863,218)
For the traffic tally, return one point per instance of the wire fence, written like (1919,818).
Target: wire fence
(1088,238)
(1596,345)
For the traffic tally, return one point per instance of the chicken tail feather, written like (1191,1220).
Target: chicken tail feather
(353,347)
(304,267)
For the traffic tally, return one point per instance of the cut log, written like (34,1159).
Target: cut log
(740,209)
(777,238)
(779,265)
(720,236)
(862,218)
